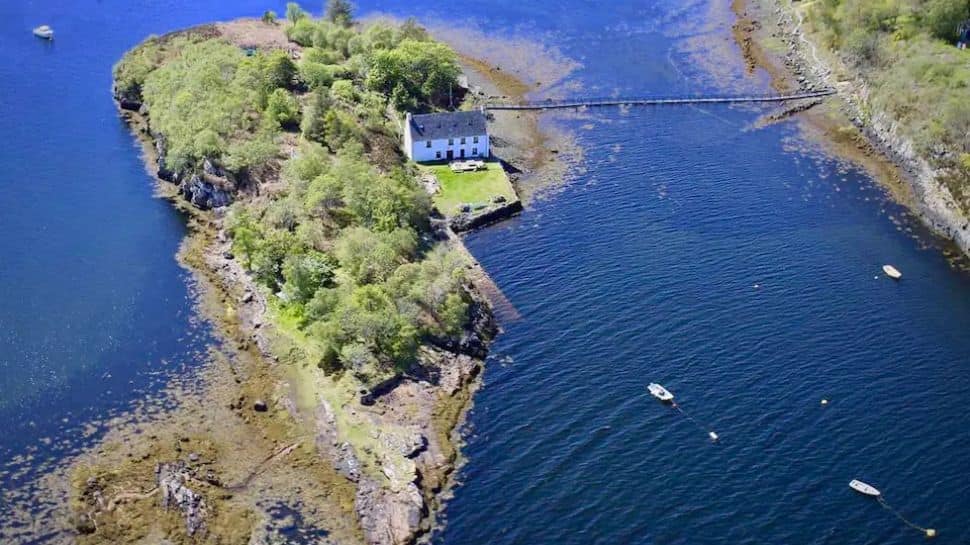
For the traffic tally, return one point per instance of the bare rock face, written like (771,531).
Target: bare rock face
(389,517)
(204,194)
(171,479)
(341,454)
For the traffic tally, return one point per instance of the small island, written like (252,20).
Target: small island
(353,323)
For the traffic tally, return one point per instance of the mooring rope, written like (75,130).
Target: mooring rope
(928,531)
(701,426)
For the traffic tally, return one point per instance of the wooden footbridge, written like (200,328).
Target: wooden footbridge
(550,104)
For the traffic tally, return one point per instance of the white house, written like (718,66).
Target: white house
(446,136)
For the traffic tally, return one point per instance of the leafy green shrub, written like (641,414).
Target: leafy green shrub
(343,90)
(304,274)
(415,74)
(316,75)
(132,70)
(943,16)
(302,31)
(282,108)
(294,13)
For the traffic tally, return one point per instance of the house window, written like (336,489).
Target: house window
(462,139)
(475,140)
(437,155)
(427,144)
(475,152)
(451,141)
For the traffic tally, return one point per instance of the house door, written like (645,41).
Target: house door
(462,153)
(451,154)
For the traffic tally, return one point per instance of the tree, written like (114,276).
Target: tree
(312,125)
(267,259)
(316,75)
(302,31)
(269,17)
(279,69)
(294,12)
(305,274)
(339,128)
(943,16)
(245,232)
(243,153)
(282,108)
(411,30)
(367,257)
(415,73)
(343,90)
(339,12)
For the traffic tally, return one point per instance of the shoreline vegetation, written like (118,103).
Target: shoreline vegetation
(902,84)
(354,331)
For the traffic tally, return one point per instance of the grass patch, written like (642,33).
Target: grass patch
(474,188)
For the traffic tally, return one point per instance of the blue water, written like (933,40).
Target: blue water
(644,268)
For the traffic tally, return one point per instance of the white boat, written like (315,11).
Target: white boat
(892,272)
(660,392)
(864,488)
(45,32)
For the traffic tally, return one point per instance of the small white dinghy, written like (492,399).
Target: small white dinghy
(45,32)
(864,488)
(892,272)
(660,392)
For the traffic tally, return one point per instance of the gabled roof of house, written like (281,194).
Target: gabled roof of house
(447,125)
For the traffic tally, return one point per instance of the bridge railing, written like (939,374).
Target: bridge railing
(655,99)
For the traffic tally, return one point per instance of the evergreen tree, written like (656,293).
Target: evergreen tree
(339,12)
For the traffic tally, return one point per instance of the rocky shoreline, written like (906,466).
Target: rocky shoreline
(765,26)
(413,421)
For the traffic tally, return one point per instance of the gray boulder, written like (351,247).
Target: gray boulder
(203,194)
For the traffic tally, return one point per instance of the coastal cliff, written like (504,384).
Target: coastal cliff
(778,36)
(354,336)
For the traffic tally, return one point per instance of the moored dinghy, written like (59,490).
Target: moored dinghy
(660,392)
(892,272)
(45,32)
(864,488)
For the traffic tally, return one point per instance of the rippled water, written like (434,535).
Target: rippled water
(745,276)
(643,269)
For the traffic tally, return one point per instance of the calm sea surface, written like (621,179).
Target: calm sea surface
(721,261)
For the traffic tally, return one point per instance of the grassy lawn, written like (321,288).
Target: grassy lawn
(475,188)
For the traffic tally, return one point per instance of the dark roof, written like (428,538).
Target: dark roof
(447,125)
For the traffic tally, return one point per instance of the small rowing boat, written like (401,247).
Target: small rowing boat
(660,392)
(864,488)
(892,272)
(45,32)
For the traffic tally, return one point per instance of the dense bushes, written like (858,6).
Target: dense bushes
(415,74)
(342,243)
(905,50)
(209,102)
(343,251)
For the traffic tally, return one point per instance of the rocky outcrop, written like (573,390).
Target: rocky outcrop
(213,187)
(474,340)
(389,517)
(934,204)
(204,194)
(171,479)
(128,99)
